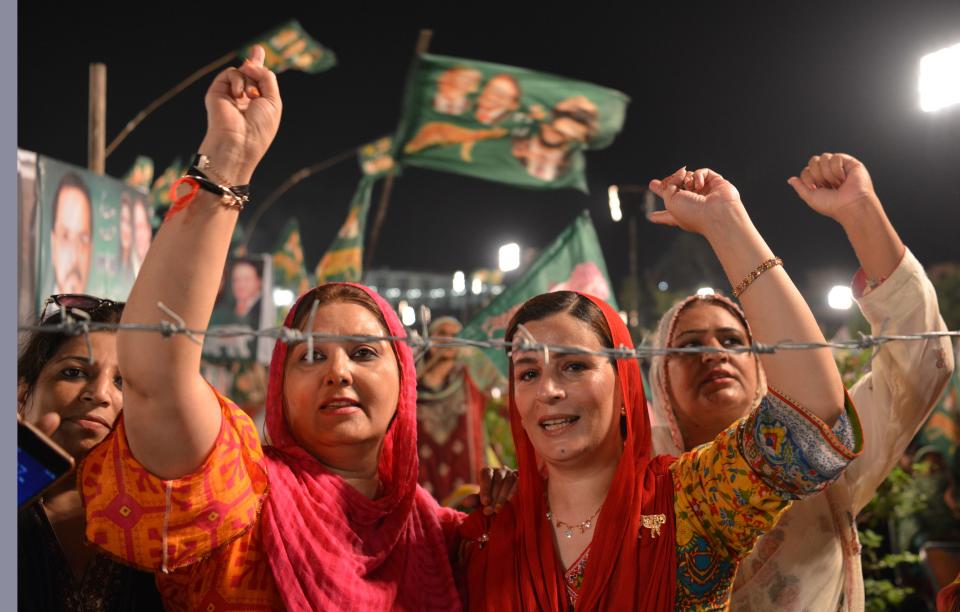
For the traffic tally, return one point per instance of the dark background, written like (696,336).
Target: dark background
(749,89)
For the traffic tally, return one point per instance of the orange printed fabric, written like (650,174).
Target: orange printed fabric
(200,531)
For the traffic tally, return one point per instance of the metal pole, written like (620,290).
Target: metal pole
(97,118)
(423,43)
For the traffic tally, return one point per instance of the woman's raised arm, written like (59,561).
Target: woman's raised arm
(706,203)
(171,415)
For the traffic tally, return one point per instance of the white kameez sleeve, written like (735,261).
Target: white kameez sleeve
(906,378)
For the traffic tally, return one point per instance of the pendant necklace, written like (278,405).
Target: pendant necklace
(566,529)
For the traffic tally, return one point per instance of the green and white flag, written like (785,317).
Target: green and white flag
(288,47)
(343,260)
(140,174)
(503,123)
(572,262)
(289,271)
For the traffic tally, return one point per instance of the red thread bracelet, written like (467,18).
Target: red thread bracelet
(181,203)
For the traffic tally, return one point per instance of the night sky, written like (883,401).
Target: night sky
(749,89)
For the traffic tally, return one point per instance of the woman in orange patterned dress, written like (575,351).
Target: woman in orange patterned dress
(329,516)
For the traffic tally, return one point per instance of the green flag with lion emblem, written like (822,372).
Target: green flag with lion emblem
(504,124)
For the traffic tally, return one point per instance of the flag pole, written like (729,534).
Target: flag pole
(423,44)
(190,80)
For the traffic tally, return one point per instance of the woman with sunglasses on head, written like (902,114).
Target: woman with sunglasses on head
(329,516)
(599,522)
(76,402)
(811,559)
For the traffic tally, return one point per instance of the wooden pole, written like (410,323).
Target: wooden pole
(97,118)
(423,44)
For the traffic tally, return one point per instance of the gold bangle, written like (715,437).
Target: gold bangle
(746,282)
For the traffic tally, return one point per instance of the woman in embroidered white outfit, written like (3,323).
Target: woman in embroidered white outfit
(811,559)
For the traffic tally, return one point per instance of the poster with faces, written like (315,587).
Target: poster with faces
(93,232)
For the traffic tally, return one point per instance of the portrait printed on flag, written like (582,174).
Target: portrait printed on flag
(503,123)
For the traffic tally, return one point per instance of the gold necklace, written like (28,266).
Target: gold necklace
(567,528)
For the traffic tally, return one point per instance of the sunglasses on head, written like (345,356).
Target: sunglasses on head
(89,304)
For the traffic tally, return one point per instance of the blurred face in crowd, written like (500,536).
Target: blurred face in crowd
(71,240)
(446,329)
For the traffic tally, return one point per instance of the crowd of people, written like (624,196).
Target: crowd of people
(737,484)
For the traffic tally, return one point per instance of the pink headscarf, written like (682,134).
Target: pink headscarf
(331,548)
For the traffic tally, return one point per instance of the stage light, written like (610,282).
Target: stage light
(509,257)
(840,297)
(939,81)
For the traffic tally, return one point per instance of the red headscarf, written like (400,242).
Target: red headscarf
(518,569)
(331,548)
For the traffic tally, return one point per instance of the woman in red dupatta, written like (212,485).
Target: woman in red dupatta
(519,569)
(665,533)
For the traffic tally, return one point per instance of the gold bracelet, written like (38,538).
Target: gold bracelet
(746,282)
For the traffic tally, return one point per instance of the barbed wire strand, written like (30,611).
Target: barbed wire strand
(525,341)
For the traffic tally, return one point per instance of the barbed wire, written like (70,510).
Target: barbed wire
(76,322)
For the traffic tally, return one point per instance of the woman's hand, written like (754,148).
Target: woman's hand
(695,201)
(835,185)
(243,114)
(497,486)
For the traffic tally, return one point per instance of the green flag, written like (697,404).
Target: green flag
(573,261)
(343,260)
(289,46)
(140,174)
(289,271)
(160,191)
(504,124)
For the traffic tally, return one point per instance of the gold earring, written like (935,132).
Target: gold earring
(623,411)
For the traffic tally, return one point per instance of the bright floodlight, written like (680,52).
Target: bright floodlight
(940,79)
(476,286)
(459,283)
(282,297)
(613,194)
(408,316)
(509,257)
(705,291)
(840,297)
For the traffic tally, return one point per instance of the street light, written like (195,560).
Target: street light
(939,81)
(840,297)
(408,315)
(459,283)
(509,257)
(613,195)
